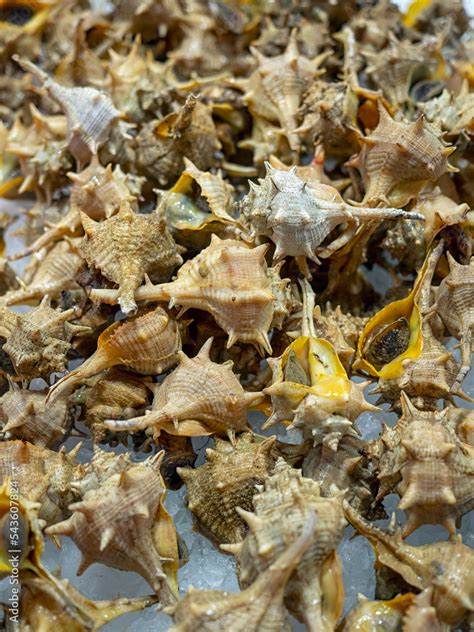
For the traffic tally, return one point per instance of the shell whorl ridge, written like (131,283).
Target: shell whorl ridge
(236,262)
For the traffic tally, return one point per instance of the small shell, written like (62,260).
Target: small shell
(123,524)
(315,593)
(147,343)
(160,146)
(299,217)
(444,566)
(275,89)
(116,395)
(228,479)
(336,463)
(38,342)
(43,476)
(186,404)
(90,113)
(398,159)
(230,281)
(128,246)
(454,114)
(54,274)
(455,306)
(24,415)
(423,460)
(259,607)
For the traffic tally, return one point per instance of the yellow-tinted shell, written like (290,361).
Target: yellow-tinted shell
(198,398)
(147,343)
(374,616)
(228,479)
(123,524)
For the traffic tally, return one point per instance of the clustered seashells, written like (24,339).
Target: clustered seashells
(206,193)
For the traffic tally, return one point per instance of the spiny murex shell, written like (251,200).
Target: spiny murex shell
(228,479)
(258,608)
(423,459)
(123,524)
(398,159)
(199,397)
(446,567)
(128,246)
(298,217)
(232,282)
(315,593)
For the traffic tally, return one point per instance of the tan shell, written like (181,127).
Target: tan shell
(56,273)
(96,191)
(116,395)
(315,593)
(455,305)
(398,159)
(147,343)
(259,607)
(299,217)
(38,342)
(123,524)
(53,605)
(233,283)
(127,247)
(425,462)
(90,113)
(179,453)
(24,415)
(453,113)
(198,398)
(228,479)
(43,476)
(336,463)
(275,89)
(444,566)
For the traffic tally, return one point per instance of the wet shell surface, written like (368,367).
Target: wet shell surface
(123,524)
(199,397)
(314,593)
(423,459)
(227,480)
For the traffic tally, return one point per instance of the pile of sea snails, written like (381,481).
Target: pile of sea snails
(205,191)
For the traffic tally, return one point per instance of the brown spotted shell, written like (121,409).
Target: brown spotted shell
(314,594)
(423,460)
(228,479)
(24,415)
(199,397)
(123,524)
